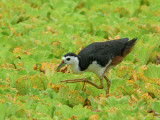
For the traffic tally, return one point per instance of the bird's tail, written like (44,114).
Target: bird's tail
(129,46)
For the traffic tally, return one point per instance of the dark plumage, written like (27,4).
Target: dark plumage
(70,54)
(102,52)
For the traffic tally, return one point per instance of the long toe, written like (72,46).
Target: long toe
(67,81)
(72,80)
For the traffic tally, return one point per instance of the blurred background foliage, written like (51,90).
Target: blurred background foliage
(35,34)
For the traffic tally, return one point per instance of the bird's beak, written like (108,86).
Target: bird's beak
(61,65)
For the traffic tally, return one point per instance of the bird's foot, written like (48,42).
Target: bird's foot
(85,81)
(73,80)
(83,85)
(108,86)
(107,95)
(107,92)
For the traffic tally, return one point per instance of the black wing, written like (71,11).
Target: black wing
(101,52)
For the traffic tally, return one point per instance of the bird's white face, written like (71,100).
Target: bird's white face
(69,60)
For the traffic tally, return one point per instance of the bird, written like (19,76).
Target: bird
(98,58)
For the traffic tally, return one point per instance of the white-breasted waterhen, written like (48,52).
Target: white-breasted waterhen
(98,57)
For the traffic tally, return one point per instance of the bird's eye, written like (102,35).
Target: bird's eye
(68,59)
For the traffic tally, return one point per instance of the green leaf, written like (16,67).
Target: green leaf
(21,113)
(152,71)
(156,106)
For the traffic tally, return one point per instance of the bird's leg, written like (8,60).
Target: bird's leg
(83,85)
(108,85)
(85,80)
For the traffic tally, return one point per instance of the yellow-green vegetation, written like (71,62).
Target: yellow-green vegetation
(35,34)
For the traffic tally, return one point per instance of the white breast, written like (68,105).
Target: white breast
(76,69)
(97,69)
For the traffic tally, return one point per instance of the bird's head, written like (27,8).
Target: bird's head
(68,59)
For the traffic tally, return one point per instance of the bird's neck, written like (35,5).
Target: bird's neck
(75,65)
